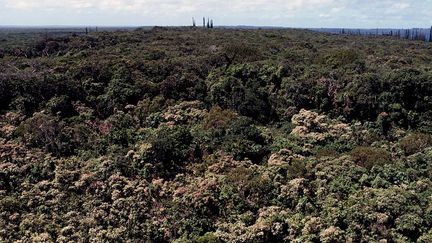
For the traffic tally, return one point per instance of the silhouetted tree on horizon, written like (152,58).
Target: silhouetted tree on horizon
(430,35)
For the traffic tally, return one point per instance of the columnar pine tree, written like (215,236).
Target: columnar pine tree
(430,35)
(204,23)
(193,22)
(211,24)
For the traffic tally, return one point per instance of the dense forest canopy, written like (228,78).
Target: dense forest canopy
(215,135)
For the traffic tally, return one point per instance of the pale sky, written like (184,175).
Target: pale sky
(287,13)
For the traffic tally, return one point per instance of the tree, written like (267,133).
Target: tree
(170,148)
(238,51)
(430,35)
(5,94)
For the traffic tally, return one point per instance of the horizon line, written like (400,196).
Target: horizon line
(174,26)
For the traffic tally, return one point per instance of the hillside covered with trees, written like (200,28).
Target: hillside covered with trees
(215,135)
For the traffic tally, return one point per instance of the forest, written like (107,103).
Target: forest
(215,135)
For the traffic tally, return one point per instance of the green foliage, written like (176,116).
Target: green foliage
(5,94)
(44,131)
(247,181)
(239,52)
(360,97)
(244,140)
(55,136)
(170,149)
(61,106)
(207,238)
(189,135)
(345,57)
(25,104)
(242,88)
(297,168)
(122,129)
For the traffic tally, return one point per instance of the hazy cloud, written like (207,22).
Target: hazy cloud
(297,13)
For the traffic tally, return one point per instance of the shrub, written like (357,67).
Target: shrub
(5,94)
(369,157)
(122,129)
(326,152)
(249,182)
(239,52)
(147,107)
(118,94)
(297,168)
(61,105)
(43,130)
(218,119)
(407,97)
(341,58)
(26,104)
(56,136)
(242,91)
(208,237)
(416,142)
(244,140)
(170,148)
(359,98)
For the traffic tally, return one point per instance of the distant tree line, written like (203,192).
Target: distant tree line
(410,34)
(89,29)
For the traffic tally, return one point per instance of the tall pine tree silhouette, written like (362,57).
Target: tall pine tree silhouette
(430,35)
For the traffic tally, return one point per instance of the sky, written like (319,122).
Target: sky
(286,13)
